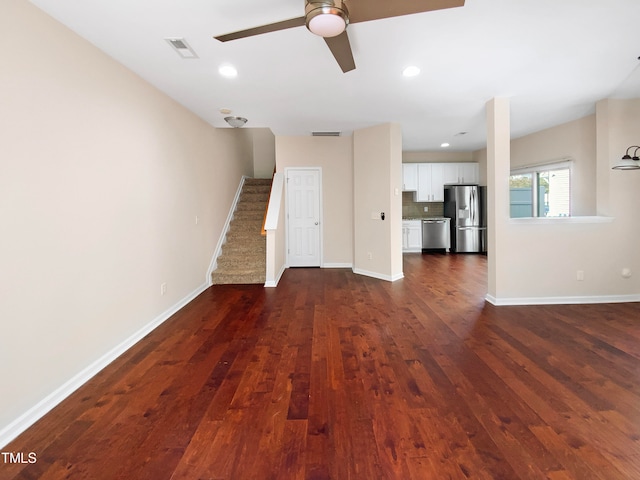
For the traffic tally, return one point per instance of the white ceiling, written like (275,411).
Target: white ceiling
(553,58)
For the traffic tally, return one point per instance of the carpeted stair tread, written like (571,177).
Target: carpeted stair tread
(238,278)
(254,196)
(257,181)
(243,231)
(252,206)
(243,249)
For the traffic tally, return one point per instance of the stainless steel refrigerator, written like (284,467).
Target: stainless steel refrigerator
(465,205)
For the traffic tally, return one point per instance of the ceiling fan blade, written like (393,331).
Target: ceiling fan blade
(341,49)
(272,27)
(366,10)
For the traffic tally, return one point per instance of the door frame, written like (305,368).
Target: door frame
(287,170)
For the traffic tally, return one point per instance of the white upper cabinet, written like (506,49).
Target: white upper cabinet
(429,179)
(469,172)
(424,182)
(410,177)
(430,182)
(450,173)
(437,182)
(461,172)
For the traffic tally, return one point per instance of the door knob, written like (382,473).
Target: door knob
(316,223)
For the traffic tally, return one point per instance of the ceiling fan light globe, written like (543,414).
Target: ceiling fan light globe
(326,18)
(327,25)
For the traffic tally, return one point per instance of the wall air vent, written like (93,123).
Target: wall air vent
(181,46)
(325,134)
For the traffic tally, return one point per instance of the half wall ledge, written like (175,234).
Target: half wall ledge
(560,220)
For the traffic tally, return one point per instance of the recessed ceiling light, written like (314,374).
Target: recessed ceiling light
(444,145)
(411,71)
(228,71)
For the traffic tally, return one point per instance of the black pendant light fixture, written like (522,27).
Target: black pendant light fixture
(628,162)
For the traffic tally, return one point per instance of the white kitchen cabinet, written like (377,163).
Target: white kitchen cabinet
(410,177)
(432,177)
(424,182)
(437,182)
(450,173)
(411,235)
(430,182)
(468,172)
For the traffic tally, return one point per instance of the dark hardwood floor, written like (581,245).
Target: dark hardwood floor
(335,375)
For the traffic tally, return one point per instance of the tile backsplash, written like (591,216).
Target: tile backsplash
(411,209)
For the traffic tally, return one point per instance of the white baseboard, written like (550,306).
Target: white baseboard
(337,265)
(562,300)
(388,278)
(36,412)
(274,283)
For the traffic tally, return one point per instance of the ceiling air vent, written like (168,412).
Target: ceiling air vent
(325,134)
(181,46)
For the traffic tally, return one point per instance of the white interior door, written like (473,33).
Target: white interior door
(303,215)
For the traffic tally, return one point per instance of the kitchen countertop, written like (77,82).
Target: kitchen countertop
(425,218)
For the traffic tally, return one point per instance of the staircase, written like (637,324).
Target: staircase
(243,258)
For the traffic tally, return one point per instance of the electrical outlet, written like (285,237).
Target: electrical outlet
(370,255)
(580,275)
(426,209)
(163,288)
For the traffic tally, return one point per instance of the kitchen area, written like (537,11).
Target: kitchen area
(443,208)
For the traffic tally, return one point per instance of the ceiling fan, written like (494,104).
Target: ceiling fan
(329,19)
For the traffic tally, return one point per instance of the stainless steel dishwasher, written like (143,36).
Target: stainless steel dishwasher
(436,233)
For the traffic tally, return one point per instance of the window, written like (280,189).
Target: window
(541,191)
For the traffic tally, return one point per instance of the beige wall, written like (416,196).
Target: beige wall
(480,156)
(575,140)
(102,179)
(394,194)
(335,156)
(264,152)
(619,122)
(377,188)
(538,260)
(497,158)
(436,157)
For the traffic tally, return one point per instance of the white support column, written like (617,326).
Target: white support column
(498,169)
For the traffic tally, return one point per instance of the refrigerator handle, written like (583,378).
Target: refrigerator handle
(473,207)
